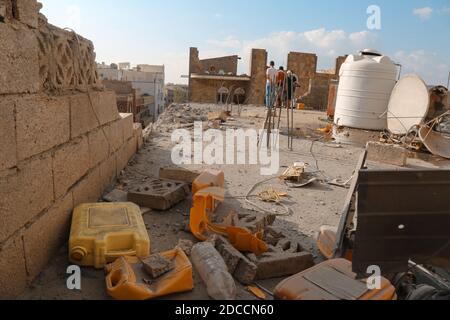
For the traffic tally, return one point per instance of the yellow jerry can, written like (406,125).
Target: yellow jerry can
(103,232)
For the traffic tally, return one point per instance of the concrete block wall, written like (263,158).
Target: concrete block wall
(258,71)
(62,140)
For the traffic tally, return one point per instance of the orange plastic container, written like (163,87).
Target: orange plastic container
(332,280)
(202,227)
(125,278)
(208,178)
(103,232)
(326,242)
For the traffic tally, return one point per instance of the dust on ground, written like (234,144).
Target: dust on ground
(312,207)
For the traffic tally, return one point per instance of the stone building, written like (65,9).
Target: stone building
(212,79)
(62,139)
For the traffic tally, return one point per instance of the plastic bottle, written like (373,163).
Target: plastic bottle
(213,271)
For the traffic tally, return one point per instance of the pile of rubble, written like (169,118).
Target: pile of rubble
(179,116)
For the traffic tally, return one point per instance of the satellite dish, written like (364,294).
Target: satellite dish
(409,104)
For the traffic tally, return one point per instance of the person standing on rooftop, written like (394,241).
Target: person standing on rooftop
(271,74)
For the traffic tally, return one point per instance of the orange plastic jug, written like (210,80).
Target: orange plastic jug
(201,227)
(125,278)
(103,232)
(208,178)
(332,280)
(326,243)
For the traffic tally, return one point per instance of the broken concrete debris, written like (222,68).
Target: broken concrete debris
(186,246)
(159,194)
(156,265)
(388,153)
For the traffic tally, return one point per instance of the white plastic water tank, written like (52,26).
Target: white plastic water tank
(366,83)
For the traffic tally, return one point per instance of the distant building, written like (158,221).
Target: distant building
(148,80)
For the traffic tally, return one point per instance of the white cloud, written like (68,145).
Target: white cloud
(423,13)
(228,42)
(430,66)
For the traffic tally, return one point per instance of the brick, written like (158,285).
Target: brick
(156,265)
(108,171)
(254,222)
(125,154)
(114,134)
(82,116)
(28,12)
(387,153)
(88,190)
(127,125)
(105,106)
(24,193)
(19,62)
(158,194)
(238,265)
(44,237)
(277,265)
(98,147)
(8,150)
(13,275)
(178,174)
(70,163)
(42,123)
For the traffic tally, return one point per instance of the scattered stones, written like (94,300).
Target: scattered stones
(159,194)
(156,265)
(242,269)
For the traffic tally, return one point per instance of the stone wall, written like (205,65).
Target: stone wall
(258,70)
(227,64)
(206,90)
(62,139)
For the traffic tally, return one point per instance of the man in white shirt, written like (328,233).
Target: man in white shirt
(271,75)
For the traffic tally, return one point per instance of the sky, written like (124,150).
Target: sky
(414,33)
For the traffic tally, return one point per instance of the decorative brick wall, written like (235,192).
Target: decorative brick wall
(227,64)
(62,139)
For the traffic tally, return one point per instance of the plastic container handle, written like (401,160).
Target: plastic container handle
(118,254)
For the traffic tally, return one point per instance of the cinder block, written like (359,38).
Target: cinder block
(8,158)
(114,135)
(158,194)
(42,123)
(105,106)
(387,153)
(279,264)
(45,236)
(89,189)
(19,62)
(238,265)
(82,116)
(108,171)
(24,193)
(70,163)
(98,147)
(28,12)
(127,125)
(13,275)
